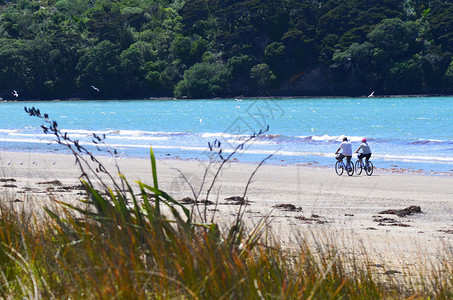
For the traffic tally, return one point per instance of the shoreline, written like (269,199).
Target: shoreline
(300,201)
(225,98)
(314,165)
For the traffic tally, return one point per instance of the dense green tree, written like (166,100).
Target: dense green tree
(240,69)
(14,70)
(263,76)
(380,62)
(395,38)
(449,75)
(274,52)
(204,80)
(142,48)
(133,67)
(169,77)
(406,76)
(35,67)
(198,48)
(240,65)
(193,12)
(181,48)
(440,19)
(100,67)
(73,8)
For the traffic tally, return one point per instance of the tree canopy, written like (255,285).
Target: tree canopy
(224,48)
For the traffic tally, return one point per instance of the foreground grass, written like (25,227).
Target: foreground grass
(81,258)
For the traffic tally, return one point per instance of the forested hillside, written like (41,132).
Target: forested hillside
(224,48)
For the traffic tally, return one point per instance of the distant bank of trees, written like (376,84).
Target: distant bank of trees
(221,48)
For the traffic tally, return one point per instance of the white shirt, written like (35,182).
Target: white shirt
(365,148)
(346,148)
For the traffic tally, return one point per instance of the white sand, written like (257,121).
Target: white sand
(346,207)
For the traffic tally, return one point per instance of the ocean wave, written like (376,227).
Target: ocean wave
(125,132)
(31,135)
(9,131)
(85,132)
(222,135)
(254,142)
(272,136)
(242,137)
(415,158)
(123,146)
(139,138)
(26,141)
(50,136)
(121,132)
(330,138)
(429,141)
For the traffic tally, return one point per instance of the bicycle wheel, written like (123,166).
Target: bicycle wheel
(369,170)
(339,168)
(350,168)
(358,167)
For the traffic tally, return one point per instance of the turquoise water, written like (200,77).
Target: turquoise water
(405,132)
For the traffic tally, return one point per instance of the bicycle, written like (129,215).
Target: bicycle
(359,166)
(340,166)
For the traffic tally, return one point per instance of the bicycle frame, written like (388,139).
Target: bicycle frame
(340,166)
(359,165)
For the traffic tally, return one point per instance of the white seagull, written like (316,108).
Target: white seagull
(15,93)
(371,95)
(95,88)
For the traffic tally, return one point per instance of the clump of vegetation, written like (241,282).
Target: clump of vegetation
(119,244)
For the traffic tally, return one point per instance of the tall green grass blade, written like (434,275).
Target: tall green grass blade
(253,238)
(154,173)
(137,209)
(153,167)
(86,213)
(168,200)
(26,267)
(148,208)
(57,218)
(97,200)
(119,205)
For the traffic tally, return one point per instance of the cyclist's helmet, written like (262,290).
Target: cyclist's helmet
(364,140)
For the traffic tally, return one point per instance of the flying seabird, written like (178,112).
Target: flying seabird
(371,95)
(15,93)
(95,88)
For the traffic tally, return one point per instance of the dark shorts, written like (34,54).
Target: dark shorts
(361,155)
(341,156)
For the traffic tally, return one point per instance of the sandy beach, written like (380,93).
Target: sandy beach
(301,201)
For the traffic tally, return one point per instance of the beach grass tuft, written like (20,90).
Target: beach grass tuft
(95,258)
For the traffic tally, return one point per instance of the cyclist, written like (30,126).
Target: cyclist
(366,152)
(346,151)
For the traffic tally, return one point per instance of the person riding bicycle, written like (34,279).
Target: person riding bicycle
(366,152)
(346,151)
